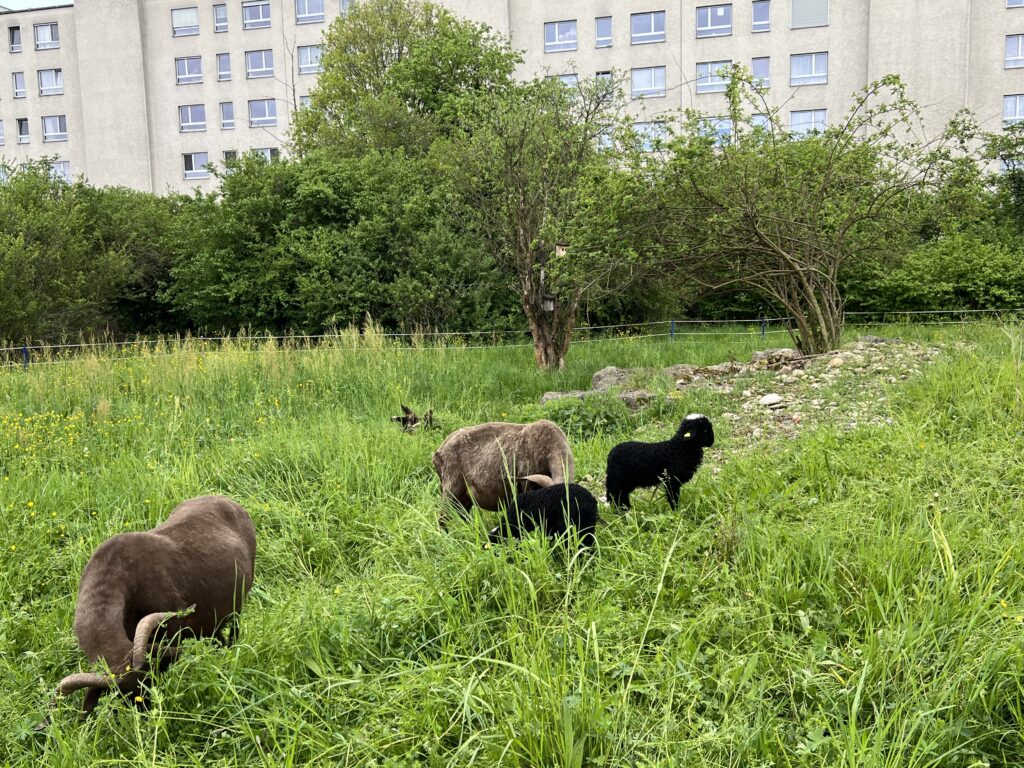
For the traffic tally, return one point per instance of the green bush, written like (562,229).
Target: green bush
(592,416)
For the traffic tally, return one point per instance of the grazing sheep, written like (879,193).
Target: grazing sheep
(477,464)
(554,508)
(185,578)
(633,464)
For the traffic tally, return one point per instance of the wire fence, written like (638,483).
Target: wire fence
(693,330)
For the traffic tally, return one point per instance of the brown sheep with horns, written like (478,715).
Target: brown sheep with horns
(187,577)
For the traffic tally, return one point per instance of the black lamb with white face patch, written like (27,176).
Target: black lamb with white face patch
(554,508)
(672,462)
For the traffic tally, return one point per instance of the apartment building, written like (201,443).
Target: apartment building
(146,93)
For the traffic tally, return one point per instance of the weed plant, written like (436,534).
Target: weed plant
(847,598)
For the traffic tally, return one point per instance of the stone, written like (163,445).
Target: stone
(837,362)
(683,373)
(636,398)
(786,370)
(728,368)
(774,356)
(610,377)
(547,397)
(770,399)
(799,373)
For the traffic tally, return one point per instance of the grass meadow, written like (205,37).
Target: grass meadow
(845,598)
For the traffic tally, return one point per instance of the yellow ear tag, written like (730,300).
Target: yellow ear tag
(487,545)
(686,435)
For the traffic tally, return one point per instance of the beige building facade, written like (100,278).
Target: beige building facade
(146,93)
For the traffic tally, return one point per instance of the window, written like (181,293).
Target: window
(720,128)
(267,153)
(259,64)
(761,121)
(230,154)
(19,84)
(650,133)
(195,165)
(55,128)
(1014,51)
(61,170)
(220,18)
(223,66)
(1015,3)
(712,76)
(762,16)
(808,68)
(51,82)
(648,81)
(603,31)
(262,112)
(309,11)
(305,101)
(647,28)
(22,130)
(188,69)
(14,35)
(1013,109)
(559,36)
(192,117)
(344,6)
(185,21)
(759,68)
(227,114)
(807,121)
(256,14)
(810,13)
(47,36)
(714,20)
(571,79)
(309,59)
(1,133)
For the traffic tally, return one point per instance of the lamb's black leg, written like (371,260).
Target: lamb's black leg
(672,486)
(618,497)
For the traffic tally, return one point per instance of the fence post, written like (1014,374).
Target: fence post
(764,327)
(672,330)
(24,355)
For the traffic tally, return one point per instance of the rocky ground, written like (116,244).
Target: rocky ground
(781,392)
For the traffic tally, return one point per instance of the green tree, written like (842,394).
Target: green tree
(395,73)
(517,165)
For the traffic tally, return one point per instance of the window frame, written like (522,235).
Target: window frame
(263,22)
(227,123)
(188,78)
(65,173)
(22,92)
(813,123)
(46,45)
(652,91)
(12,31)
(712,82)
(812,25)
(557,46)
(24,137)
(257,73)
(602,41)
(815,77)
(62,129)
(199,170)
(223,75)
(192,125)
(1014,62)
(272,153)
(54,90)
(1015,3)
(713,30)
(2,139)
(186,30)
(310,68)
(643,128)
(309,18)
(653,34)
(267,120)
(757,27)
(762,82)
(1018,115)
(220,24)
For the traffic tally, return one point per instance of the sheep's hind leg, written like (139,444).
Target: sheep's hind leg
(672,486)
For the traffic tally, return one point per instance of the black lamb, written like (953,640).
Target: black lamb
(553,507)
(672,462)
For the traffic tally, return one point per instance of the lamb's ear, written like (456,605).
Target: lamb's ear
(541,481)
(407,411)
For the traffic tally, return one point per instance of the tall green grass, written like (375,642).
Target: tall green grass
(842,599)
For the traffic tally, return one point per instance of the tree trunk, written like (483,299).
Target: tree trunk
(551,331)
